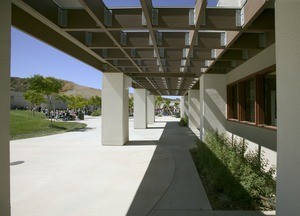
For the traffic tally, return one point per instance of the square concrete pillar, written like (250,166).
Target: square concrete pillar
(5,41)
(212,103)
(184,106)
(140,108)
(150,108)
(194,109)
(115,130)
(287,32)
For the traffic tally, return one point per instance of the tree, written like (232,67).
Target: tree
(167,105)
(176,104)
(74,101)
(35,98)
(131,104)
(95,101)
(158,101)
(48,86)
(167,102)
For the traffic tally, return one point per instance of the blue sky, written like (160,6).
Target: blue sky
(31,56)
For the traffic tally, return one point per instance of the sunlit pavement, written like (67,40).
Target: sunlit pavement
(71,174)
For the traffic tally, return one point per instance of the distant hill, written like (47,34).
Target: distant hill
(18,84)
(70,88)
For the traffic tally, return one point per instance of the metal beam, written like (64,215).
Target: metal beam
(38,12)
(193,34)
(96,10)
(252,9)
(147,11)
(153,74)
(139,40)
(168,19)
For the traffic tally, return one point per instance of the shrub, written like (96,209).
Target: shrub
(234,179)
(96,113)
(184,121)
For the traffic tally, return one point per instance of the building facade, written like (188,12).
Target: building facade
(237,68)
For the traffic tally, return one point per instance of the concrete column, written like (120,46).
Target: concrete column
(115,99)
(287,18)
(150,108)
(5,38)
(194,109)
(140,108)
(212,103)
(184,106)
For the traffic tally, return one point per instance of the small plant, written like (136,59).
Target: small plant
(96,113)
(234,178)
(184,121)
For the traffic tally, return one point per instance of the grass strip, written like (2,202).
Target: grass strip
(24,125)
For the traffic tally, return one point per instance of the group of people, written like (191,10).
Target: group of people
(64,115)
(165,111)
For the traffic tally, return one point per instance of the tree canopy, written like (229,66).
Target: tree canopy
(74,101)
(34,97)
(95,101)
(158,101)
(47,86)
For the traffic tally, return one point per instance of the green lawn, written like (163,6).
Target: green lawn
(24,125)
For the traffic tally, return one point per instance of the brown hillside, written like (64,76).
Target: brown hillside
(70,88)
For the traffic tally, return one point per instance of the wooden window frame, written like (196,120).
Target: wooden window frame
(259,104)
(230,102)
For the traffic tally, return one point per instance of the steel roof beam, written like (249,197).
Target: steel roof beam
(44,14)
(251,10)
(193,75)
(168,19)
(96,10)
(147,9)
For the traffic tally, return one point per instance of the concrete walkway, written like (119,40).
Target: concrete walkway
(71,174)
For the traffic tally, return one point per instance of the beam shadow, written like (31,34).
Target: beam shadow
(156,180)
(16,163)
(155,128)
(153,196)
(161,170)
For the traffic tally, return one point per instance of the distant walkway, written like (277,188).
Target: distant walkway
(71,174)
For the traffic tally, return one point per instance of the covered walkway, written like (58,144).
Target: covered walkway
(225,62)
(70,174)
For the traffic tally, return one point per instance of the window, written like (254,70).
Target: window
(249,103)
(270,108)
(254,100)
(232,102)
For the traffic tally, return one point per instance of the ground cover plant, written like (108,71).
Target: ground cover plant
(96,113)
(233,177)
(184,121)
(24,125)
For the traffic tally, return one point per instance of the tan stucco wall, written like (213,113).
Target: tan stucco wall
(140,108)
(194,109)
(184,106)
(114,109)
(256,137)
(212,103)
(288,104)
(261,61)
(5,41)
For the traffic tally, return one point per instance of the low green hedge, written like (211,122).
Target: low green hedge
(96,113)
(234,178)
(184,121)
